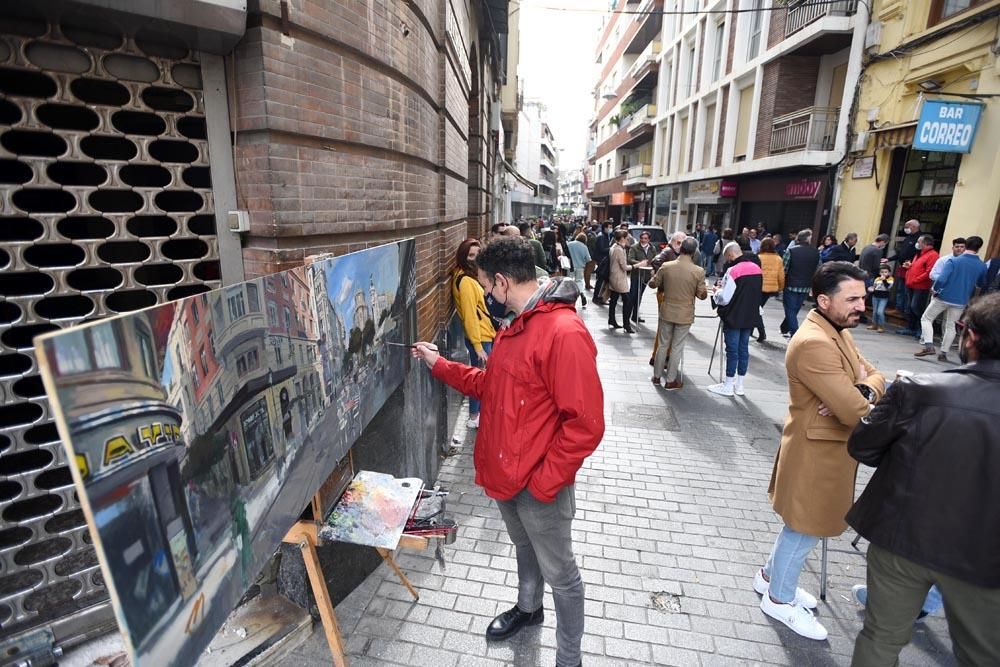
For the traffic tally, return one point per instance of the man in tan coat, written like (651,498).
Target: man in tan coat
(681,281)
(831,387)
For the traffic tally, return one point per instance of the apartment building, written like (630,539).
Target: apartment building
(571,191)
(931,67)
(532,185)
(746,105)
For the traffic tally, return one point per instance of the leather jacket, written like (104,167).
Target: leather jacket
(934,498)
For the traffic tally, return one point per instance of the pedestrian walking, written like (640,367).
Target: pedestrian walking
(773,281)
(951,293)
(588,270)
(880,289)
(680,281)
(738,303)
(800,266)
(844,251)
(603,246)
(931,511)
(830,388)
(871,257)
(470,303)
(708,241)
(918,284)
(619,270)
(543,416)
(957,248)
(580,257)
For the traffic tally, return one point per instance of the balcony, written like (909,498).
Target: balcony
(802,15)
(638,174)
(641,116)
(809,129)
(645,59)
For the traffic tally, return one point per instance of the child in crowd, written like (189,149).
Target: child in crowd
(880,289)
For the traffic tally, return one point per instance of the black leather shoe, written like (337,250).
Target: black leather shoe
(511,621)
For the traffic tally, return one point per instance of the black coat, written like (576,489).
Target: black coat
(935,496)
(843,253)
(603,247)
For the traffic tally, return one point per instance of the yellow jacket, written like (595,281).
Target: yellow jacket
(470,301)
(773,268)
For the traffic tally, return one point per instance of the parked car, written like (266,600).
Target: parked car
(657,236)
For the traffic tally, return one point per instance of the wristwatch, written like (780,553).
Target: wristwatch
(867,392)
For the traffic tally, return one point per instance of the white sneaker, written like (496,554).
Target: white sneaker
(473,423)
(798,618)
(722,389)
(802,598)
(738,386)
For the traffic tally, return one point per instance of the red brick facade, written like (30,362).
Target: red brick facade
(352,129)
(788,84)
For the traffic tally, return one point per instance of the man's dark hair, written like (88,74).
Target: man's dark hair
(497,228)
(882,237)
(830,275)
(853,236)
(974,243)
(509,256)
(983,317)
(524,228)
(958,241)
(689,246)
(744,243)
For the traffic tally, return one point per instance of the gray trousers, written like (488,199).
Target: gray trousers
(897,588)
(670,339)
(541,533)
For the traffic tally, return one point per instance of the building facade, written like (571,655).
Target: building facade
(930,66)
(129,131)
(746,104)
(532,188)
(571,192)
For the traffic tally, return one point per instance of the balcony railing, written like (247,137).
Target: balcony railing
(638,171)
(647,57)
(809,129)
(640,117)
(803,14)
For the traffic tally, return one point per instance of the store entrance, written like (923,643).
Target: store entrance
(787,218)
(926,185)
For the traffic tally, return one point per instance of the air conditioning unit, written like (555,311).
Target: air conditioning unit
(873,34)
(860,142)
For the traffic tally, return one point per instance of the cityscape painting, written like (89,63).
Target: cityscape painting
(201,428)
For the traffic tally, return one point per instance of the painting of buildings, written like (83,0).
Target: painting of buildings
(201,428)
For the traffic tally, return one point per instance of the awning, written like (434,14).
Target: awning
(521,179)
(893,136)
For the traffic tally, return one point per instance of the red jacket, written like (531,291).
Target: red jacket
(543,405)
(918,276)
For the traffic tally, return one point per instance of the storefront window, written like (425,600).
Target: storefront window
(257,437)
(927,189)
(661,205)
(143,570)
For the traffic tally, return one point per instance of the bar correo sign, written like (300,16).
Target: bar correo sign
(948,127)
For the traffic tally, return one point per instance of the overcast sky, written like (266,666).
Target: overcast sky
(557,67)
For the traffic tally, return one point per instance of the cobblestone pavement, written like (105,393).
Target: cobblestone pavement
(672,521)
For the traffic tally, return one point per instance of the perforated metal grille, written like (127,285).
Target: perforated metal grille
(105,207)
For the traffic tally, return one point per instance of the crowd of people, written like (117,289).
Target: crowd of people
(516,294)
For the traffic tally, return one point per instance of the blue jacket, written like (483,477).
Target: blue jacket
(708,240)
(958,279)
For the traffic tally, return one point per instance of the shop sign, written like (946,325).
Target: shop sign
(708,192)
(864,167)
(947,127)
(622,198)
(128,439)
(803,189)
(727,189)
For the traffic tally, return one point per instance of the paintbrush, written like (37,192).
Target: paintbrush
(432,348)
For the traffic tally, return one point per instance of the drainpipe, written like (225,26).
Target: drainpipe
(851,81)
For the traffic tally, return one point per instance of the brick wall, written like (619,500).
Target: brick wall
(350,134)
(723,110)
(734,23)
(776,29)
(788,84)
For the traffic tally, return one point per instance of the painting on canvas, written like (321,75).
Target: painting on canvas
(200,429)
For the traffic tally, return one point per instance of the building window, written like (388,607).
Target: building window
(691,68)
(93,348)
(288,319)
(194,311)
(203,358)
(277,355)
(720,29)
(146,354)
(269,284)
(272,314)
(257,437)
(945,9)
(756,25)
(222,395)
(237,307)
(253,298)
(219,316)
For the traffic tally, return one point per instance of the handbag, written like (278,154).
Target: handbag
(564,262)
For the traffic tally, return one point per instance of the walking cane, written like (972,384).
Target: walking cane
(822,574)
(715,345)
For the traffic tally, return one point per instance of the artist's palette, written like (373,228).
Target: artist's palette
(373,510)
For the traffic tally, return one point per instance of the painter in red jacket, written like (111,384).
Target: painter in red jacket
(542,415)
(918,281)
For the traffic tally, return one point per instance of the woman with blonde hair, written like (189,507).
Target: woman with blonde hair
(470,302)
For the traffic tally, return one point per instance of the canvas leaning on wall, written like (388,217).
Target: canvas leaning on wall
(200,429)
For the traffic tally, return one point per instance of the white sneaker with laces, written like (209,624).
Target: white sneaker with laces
(473,423)
(738,386)
(803,598)
(722,389)
(798,618)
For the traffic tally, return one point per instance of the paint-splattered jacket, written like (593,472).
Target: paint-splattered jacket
(543,405)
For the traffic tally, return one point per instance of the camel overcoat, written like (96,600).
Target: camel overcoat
(812,483)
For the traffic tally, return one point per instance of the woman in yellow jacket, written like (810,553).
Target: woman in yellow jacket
(773,267)
(470,301)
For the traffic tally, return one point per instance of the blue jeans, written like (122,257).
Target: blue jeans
(918,303)
(878,311)
(902,296)
(474,361)
(707,262)
(737,351)
(792,301)
(785,563)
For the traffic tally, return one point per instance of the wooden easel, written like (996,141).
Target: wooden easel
(305,534)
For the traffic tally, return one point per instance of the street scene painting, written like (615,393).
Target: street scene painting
(373,510)
(200,429)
